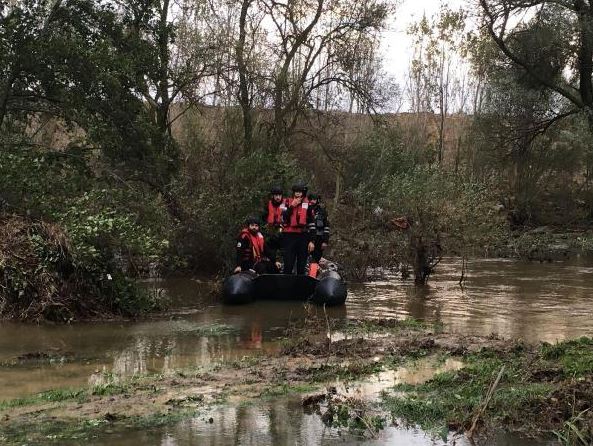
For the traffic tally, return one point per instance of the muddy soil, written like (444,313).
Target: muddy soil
(309,363)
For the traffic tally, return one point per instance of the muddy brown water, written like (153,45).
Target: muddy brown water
(533,301)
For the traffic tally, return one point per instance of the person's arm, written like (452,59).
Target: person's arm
(326,228)
(269,253)
(311,224)
(242,245)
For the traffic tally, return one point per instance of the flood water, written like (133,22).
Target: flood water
(532,301)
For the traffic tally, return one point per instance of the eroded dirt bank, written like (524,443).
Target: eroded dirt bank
(536,389)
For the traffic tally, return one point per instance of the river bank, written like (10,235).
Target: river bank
(541,388)
(545,244)
(181,354)
(48,277)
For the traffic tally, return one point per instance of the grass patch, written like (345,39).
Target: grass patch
(285,389)
(49,431)
(55,395)
(521,400)
(575,357)
(110,388)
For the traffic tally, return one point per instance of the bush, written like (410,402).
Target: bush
(445,211)
(78,228)
(41,278)
(219,187)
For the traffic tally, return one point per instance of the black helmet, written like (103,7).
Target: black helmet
(276,190)
(314,196)
(251,220)
(299,186)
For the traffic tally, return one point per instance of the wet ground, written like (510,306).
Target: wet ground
(519,300)
(267,424)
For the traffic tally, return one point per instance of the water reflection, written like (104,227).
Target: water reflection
(521,300)
(531,301)
(282,422)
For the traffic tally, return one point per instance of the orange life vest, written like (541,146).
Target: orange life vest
(257,244)
(298,217)
(275,213)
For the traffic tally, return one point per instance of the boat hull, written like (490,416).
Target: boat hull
(244,288)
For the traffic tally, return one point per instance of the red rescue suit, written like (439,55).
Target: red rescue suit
(297,216)
(250,248)
(275,217)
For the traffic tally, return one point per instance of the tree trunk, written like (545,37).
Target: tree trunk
(243,86)
(338,191)
(162,111)
(421,264)
(6,88)
(585,57)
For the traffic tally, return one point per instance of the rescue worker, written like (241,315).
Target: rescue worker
(294,230)
(275,208)
(318,228)
(273,218)
(250,248)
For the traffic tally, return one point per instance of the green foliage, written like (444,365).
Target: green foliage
(573,433)
(220,189)
(519,133)
(98,236)
(447,211)
(100,233)
(103,173)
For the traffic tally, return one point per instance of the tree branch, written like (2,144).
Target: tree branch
(569,92)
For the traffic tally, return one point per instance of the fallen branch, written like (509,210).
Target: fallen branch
(329,332)
(491,390)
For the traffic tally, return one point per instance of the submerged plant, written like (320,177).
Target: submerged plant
(573,433)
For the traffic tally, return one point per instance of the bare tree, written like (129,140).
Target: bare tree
(437,78)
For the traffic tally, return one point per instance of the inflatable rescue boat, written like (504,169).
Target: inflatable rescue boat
(328,288)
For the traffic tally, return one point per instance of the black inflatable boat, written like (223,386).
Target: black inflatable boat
(242,288)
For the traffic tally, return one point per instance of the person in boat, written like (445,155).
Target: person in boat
(273,217)
(250,248)
(319,230)
(295,237)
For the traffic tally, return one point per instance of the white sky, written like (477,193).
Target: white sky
(397,45)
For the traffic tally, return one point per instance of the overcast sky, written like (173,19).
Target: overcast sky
(396,45)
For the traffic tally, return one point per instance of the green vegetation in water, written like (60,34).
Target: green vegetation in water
(572,432)
(352,415)
(212,330)
(535,388)
(50,431)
